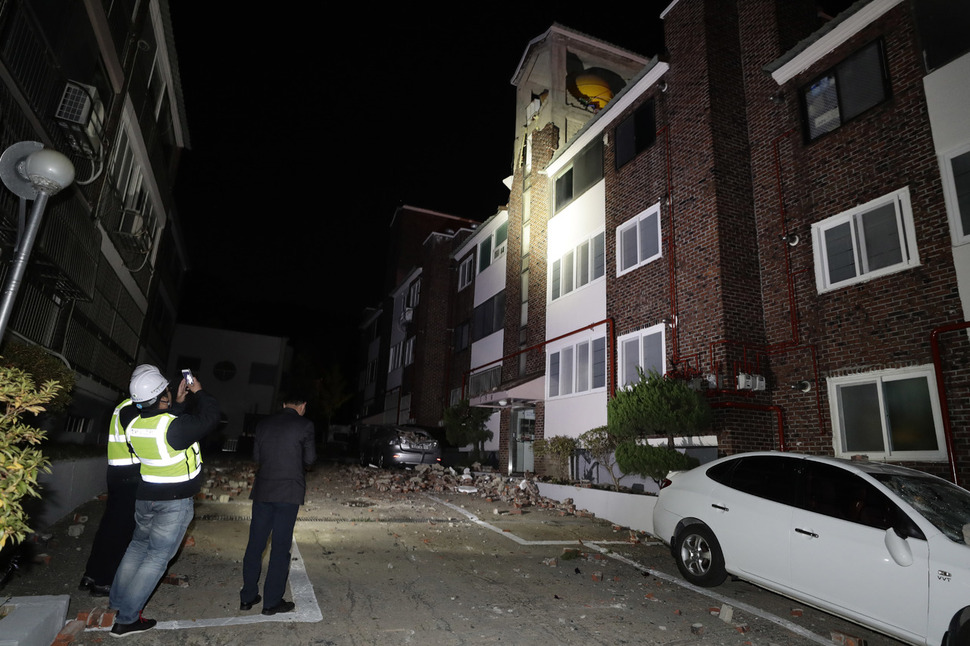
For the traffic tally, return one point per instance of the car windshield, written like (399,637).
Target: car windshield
(944,504)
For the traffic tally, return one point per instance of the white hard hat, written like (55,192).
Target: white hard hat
(142,369)
(146,384)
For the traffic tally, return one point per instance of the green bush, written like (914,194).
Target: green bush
(20,457)
(656,405)
(558,448)
(42,367)
(465,424)
(651,461)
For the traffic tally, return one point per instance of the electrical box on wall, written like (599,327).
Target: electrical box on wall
(750,382)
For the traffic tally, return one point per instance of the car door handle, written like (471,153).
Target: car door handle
(806,532)
(720,507)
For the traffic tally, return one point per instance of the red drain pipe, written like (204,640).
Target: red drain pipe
(762,407)
(941,391)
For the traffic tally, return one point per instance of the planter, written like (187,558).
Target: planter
(69,484)
(33,621)
(627,509)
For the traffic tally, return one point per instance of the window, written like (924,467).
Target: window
(638,240)
(489,317)
(493,247)
(850,88)
(462,336)
(955,168)
(577,369)
(586,170)
(394,361)
(466,272)
(635,134)
(643,349)
(484,381)
(409,351)
(580,266)
(891,414)
(942,26)
(414,293)
(874,239)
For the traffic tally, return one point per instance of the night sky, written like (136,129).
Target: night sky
(307,131)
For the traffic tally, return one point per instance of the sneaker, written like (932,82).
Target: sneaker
(248,605)
(141,625)
(283,606)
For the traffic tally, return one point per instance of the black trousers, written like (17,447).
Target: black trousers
(276,518)
(117,524)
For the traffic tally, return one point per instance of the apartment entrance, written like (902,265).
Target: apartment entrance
(523,424)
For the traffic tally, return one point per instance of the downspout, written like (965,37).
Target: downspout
(762,407)
(941,391)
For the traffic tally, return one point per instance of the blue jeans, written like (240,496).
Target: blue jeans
(276,518)
(159,528)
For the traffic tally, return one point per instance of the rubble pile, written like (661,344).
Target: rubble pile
(434,478)
(224,482)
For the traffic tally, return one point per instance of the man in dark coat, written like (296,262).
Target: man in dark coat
(284,449)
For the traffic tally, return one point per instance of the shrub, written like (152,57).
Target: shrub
(601,444)
(656,405)
(651,461)
(42,367)
(558,448)
(20,457)
(465,424)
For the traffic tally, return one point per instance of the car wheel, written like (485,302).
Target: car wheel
(959,632)
(699,556)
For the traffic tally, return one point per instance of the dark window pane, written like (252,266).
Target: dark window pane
(599,363)
(554,374)
(564,189)
(910,414)
(599,254)
(861,418)
(556,277)
(649,242)
(881,237)
(961,180)
(822,107)
(628,248)
(766,477)
(838,250)
(943,32)
(860,82)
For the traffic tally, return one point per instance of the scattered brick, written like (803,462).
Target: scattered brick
(69,632)
(176,579)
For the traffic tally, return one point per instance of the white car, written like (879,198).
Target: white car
(874,543)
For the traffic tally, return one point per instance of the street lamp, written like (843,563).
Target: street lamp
(32,173)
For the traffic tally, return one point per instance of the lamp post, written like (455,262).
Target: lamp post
(33,173)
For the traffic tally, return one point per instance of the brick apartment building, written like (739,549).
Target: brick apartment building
(776,210)
(98,82)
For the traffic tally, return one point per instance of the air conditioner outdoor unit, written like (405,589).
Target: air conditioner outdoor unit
(80,114)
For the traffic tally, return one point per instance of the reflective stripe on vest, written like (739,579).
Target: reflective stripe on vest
(118,452)
(160,463)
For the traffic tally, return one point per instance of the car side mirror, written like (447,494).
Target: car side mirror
(899,548)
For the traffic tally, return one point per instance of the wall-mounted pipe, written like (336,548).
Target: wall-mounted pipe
(941,391)
(762,407)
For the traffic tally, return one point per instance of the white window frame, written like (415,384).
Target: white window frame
(640,224)
(904,228)
(409,351)
(960,236)
(414,294)
(495,248)
(567,268)
(880,377)
(394,361)
(564,377)
(466,272)
(638,336)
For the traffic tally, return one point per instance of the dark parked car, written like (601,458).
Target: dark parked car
(385,446)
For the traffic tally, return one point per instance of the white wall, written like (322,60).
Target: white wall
(948,102)
(236,395)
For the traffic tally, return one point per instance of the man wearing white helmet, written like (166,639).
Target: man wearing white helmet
(118,522)
(171,468)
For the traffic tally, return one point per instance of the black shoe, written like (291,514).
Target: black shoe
(86,583)
(248,605)
(123,630)
(100,590)
(284,606)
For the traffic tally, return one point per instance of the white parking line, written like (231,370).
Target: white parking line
(307,609)
(740,605)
